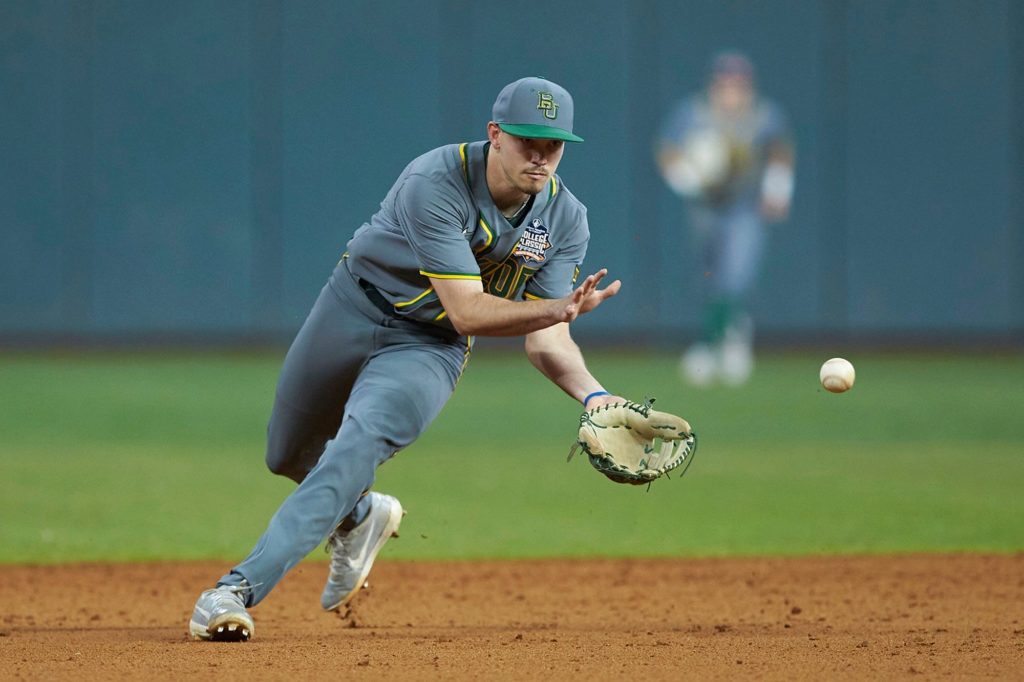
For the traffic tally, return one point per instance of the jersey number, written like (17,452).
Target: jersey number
(505,279)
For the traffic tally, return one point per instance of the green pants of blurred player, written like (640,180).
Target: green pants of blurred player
(732,242)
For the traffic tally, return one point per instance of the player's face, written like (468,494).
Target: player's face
(732,93)
(528,163)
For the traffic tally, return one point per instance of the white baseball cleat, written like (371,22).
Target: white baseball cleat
(353,552)
(220,616)
(737,363)
(699,365)
(737,352)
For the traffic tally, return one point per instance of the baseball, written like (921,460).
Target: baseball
(837,375)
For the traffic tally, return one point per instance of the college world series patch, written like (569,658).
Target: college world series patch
(534,243)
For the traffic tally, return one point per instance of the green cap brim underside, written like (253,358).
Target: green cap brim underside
(540,132)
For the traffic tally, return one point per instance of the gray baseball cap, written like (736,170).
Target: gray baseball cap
(535,108)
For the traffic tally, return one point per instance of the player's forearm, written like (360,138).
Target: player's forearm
(473,312)
(553,352)
(573,378)
(481,314)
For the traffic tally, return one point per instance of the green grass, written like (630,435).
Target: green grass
(109,457)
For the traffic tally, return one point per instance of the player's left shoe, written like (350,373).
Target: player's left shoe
(353,551)
(220,615)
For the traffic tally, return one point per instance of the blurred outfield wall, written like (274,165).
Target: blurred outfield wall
(191,170)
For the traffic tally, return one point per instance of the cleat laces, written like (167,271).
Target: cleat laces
(339,552)
(231,594)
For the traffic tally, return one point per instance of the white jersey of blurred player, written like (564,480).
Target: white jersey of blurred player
(727,152)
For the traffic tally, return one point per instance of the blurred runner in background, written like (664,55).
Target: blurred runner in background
(727,151)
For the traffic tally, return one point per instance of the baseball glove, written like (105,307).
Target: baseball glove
(631,443)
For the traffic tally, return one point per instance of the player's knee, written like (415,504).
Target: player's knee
(290,455)
(276,463)
(279,462)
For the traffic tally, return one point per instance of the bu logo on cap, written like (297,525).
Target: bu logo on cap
(547,104)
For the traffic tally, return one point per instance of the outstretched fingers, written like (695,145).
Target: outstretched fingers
(589,284)
(610,290)
(592,296)
(595,279)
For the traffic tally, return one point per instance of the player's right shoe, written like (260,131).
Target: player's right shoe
(353,551)
(737,352)
(220,615)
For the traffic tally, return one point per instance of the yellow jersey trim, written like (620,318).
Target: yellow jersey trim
(465,356)
(443,275)
(465,163)
(490,234)
(554,187)
(402,304)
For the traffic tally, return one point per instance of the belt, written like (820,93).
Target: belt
(377,299)
(381,303)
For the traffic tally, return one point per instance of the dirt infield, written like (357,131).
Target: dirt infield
(883,617)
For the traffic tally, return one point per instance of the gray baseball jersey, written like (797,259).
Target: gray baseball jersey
(439,220)
(748,137)
(358,385)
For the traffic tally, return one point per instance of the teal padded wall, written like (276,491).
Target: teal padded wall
(192,170)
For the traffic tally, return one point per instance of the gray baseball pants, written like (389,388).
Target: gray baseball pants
(357,386)
(733,241)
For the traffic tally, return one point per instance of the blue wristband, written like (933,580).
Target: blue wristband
(593,395)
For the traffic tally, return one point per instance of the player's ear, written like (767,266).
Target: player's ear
(494,134)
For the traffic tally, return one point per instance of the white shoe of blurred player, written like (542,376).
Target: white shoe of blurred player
(737,353)
(699,365)
(353,552)
(737,363)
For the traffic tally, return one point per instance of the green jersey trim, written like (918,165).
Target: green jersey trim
(446,275)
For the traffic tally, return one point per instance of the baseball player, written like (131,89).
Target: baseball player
(728,153)
(479,238)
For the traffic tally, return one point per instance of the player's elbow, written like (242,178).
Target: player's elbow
(472,314)
(470,325)
(549,341)
(464,303)
(464,321)
(462,327)
(535,346)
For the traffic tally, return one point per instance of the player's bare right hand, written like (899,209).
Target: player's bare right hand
(587,296)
